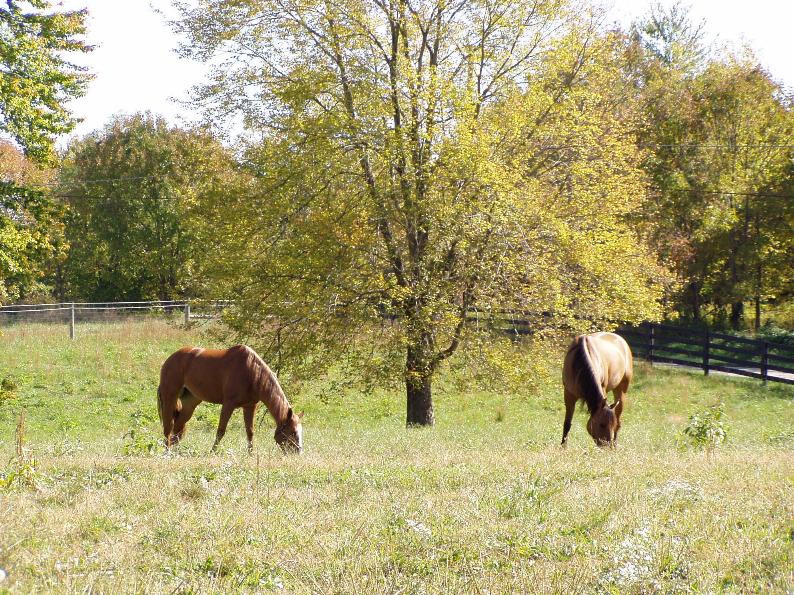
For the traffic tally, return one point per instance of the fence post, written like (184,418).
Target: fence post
(765,362)
(187,313)
(651,342)
(71,321)
(706,347)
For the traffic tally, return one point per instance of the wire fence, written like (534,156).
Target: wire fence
(655,342)
(72,313)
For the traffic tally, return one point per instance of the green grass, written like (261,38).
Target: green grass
(484,502)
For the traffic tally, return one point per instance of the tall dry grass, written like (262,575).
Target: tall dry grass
(484,502)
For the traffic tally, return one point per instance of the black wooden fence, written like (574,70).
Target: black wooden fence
(709,350)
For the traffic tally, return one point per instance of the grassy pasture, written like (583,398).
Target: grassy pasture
(485,502)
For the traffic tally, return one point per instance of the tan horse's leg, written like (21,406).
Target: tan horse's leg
(620,392)
(189,404)
(226,412)
(570,407)
(248,417)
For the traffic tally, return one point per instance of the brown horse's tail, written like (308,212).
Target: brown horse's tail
(589,384)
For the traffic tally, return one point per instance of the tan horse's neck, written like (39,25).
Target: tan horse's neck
(593,393)
(269,389)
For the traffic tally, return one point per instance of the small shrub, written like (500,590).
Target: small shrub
(705,429)
(775,334)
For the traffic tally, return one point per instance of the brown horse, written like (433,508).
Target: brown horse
(596,364)
(234,377)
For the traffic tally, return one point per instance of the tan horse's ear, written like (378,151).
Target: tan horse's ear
(300,415)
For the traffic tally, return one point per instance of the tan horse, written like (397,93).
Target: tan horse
(234,377)
(596,364)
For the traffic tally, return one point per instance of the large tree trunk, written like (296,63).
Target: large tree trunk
(418,379)
(737,315)
(695,293)
(758,283)
(420,400)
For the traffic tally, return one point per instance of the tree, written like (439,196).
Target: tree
(716,131)
(36,76)
(420,161)
(36,80)
(31,229)
(130,188)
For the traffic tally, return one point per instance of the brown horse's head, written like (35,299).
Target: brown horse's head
(289,433)
(603,425)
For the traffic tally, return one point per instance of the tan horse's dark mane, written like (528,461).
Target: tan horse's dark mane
(266,385)
(591,388)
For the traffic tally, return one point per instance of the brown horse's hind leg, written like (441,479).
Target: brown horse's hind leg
(570,407)
(248,417)
(189,404)
(226,413)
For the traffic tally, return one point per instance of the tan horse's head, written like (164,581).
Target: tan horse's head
(603,425)
(289,433)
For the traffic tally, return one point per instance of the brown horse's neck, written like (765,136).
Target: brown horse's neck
(589,383)
(269,390)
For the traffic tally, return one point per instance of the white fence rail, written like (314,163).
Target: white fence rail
(69,312)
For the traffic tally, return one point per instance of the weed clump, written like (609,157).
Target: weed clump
(139,440)
(22,471)
(8,390)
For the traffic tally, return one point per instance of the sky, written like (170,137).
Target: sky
(136,69)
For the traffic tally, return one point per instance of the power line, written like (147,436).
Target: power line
(679,145)
(728,193)
(716,146)
(98,181)
(94,197)
(679,191)
(545,148)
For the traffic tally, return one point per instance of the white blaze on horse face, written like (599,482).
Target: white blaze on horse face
(299,433)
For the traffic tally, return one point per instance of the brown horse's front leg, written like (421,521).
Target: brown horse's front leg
(189,404)
(226,413)
(248,417)
(166,405)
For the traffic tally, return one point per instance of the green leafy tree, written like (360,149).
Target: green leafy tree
(420,161)
(31,228)
(36,81)
(36,76)
(130,188)
(717,131)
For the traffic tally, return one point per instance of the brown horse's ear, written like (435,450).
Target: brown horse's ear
(289,413)
(300,415)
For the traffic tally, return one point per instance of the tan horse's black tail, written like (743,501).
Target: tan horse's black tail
(591,388)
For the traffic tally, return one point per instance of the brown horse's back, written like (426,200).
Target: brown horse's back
(208,374)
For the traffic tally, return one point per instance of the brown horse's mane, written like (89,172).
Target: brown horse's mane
(266,385)
(591,388)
